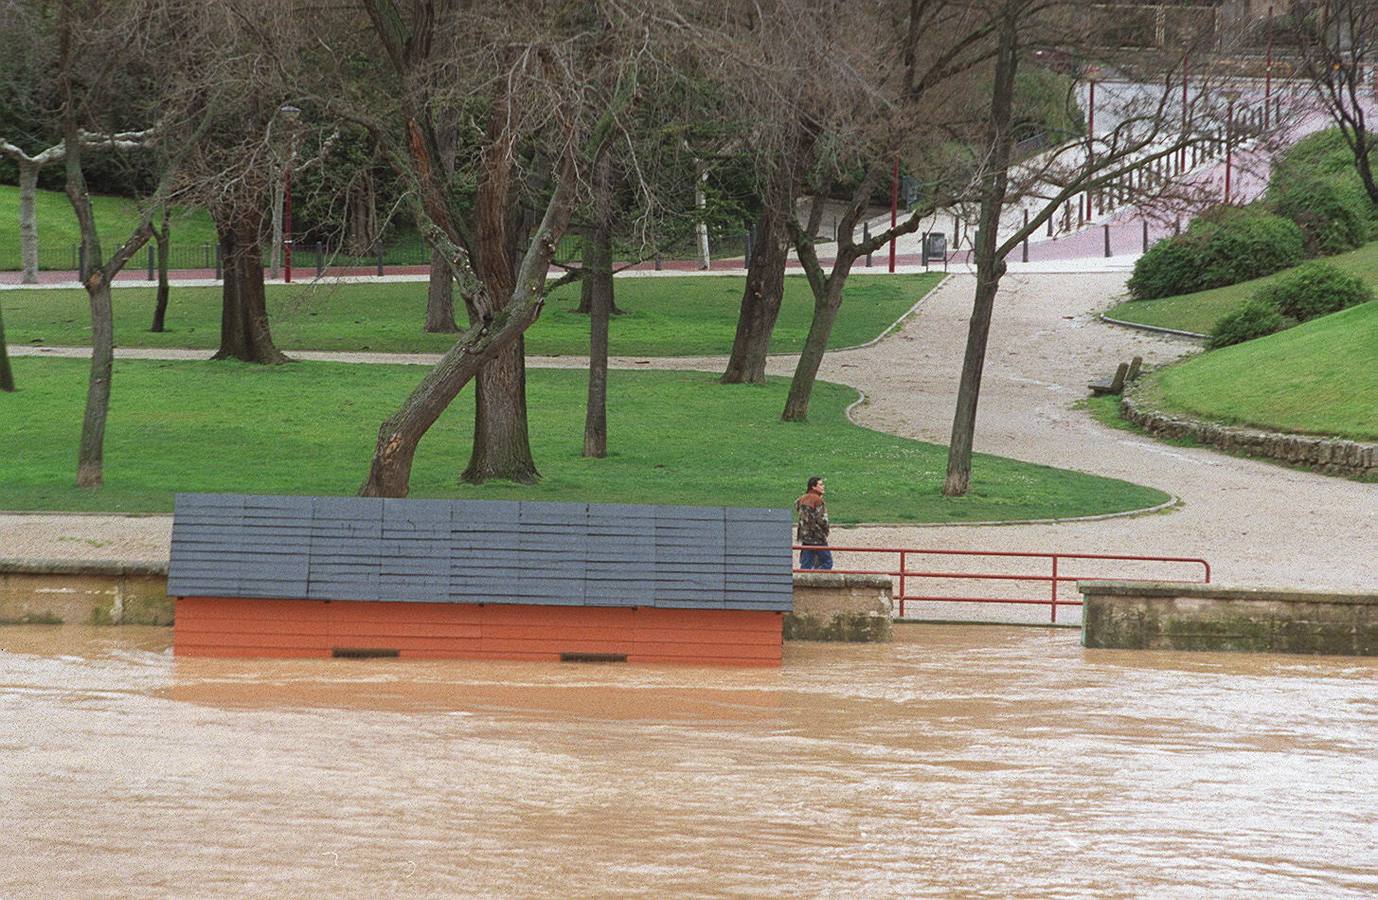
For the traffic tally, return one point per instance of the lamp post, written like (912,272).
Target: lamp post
(1231,96)
(1186,121)
(290,113)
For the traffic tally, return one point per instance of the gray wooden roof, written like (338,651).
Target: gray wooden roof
(480,551)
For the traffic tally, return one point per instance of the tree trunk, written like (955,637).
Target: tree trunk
(91,455)
(815,345)
(765,288)
(989,267)
(6,373)
(162,236)
(28,221)
(440,297)
(598,283)
(390,471)
(586,284)
(502,448)
(244,332)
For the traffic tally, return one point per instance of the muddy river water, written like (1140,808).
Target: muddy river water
(969,760)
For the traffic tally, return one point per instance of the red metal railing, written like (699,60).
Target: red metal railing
(1056,575)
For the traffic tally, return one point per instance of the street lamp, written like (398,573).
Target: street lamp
(1231,97)
(290,113)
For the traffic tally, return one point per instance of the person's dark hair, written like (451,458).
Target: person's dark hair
(812,481)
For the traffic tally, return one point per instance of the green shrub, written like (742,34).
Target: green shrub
(1254,319)
(1224,245)
(1314,289)
(1334,213)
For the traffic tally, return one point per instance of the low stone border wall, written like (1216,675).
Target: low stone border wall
(1138,615)
(830,607)
(83,592)
(1332,456)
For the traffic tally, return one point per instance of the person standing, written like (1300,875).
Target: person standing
(813,527)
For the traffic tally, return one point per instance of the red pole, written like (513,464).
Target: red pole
(894,209)
(1229,148)
(287,225)
(1186,65)
(1268,71)
(1090,136)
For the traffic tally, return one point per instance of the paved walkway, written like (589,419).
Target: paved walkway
(1258,523)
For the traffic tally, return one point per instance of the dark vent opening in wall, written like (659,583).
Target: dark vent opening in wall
(593,657)
(363,652)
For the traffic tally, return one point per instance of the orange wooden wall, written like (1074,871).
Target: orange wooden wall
(210,626)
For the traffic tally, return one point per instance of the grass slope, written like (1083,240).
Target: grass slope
(1316,378)
(58,234)
(1200,311)
(670,316)
(675,437)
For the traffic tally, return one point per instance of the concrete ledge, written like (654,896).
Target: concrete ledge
(81,567)
(830,607)
(97,592)
(1167,616)
(1332,456)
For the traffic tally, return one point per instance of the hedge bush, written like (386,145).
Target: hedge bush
(1224,245)
(1314,289)
(1334,213)
(1316,185)
(1254,319)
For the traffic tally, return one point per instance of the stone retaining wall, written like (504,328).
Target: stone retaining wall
(84,592)
(1332,456)
(830,607)
(1133,615)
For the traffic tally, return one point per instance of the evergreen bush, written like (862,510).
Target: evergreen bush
(1314,289)
(1254,319)
(1224,245)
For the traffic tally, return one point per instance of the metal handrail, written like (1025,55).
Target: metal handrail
(1053,579)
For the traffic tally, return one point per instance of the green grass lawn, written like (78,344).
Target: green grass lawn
(57,227)
(675,437)
(670,316)
(1316,378)
(1200,311)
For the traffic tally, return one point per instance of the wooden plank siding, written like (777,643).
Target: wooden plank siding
(304,576)
(234,627)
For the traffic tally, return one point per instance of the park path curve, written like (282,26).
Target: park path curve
(1257,522)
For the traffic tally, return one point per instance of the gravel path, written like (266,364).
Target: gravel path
(1256,522)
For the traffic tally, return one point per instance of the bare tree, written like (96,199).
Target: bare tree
(1148,136)
(29,167)
(543,82)
(79,90)
(1336,44)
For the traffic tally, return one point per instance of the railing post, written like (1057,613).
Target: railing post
(219,266)
(903,566)
(1054,596)
(320,260)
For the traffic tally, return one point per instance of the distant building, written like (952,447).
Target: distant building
(1151,24)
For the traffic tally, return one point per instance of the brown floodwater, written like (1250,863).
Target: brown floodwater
(971,760)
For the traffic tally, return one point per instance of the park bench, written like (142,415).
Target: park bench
(1124,374)
(261,576)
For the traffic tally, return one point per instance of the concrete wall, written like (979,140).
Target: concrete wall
(1166,616)
(826,606)
(830,607)
(80,593)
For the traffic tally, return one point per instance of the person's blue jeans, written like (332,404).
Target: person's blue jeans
(815,559)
